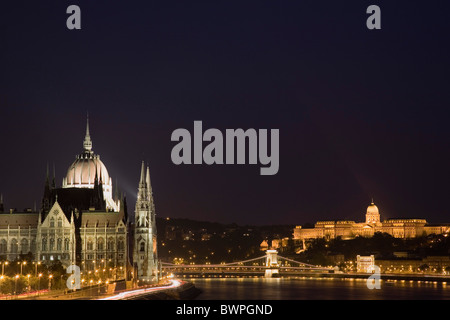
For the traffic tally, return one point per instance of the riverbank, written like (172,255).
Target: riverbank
(316,275)
(187,291)
(383,276)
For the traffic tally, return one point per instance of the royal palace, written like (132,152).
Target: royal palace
(398,228)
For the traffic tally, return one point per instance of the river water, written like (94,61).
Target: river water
(317,289)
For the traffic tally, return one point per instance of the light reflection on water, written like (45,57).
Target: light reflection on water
(316,289)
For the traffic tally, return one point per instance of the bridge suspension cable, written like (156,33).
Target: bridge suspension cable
(239,263)
(221,265)
(301,263)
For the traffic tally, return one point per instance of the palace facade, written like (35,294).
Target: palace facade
(83,223)
(398,228)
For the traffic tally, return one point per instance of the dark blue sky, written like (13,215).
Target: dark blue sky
(361,113)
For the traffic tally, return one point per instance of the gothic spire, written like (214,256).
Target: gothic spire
(142,189)
(47,179)
(147,179)
(54,176)
(142,181)
(96,178)
(87,144)
(145,255)
(46,199)
(101,177)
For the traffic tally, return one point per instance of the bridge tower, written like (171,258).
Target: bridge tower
(272,264)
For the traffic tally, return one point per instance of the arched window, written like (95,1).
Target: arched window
(59,222)
(90,245)
(110,245)
(100,244)
(66,244)
(120,245)
(52,244)
(44,244)
(52,222)
(59,244)
(24,246)
(14,246)
(3,246)
(142,248)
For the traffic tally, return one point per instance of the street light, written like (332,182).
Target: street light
(50,282)
(15,283)
(36,267)
(29,286)
(39,288)
(98,290)
(21,265)
(5,263)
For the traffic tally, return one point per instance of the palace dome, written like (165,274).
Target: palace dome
(372,209)
(82,172)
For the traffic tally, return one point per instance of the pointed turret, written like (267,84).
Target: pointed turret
(142,189)
(100,190)
(54,177)
(47,179)
(87,144)
(142,181)
(150,198)
(46,199)
(145,254)
(101,179)
(123,207)
(123,203)
(96,178)
(147,180)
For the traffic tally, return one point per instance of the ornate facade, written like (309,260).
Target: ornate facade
(83,223)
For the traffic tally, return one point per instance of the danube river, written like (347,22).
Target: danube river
(316,289)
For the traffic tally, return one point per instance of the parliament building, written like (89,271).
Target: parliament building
(85,223)
(398,228)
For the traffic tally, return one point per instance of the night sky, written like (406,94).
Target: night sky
(361,113)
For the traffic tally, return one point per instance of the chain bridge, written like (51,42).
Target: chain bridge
(270,265)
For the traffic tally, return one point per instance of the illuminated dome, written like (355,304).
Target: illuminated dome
(372,209)
(82,172)
(372,214)
(88,167)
